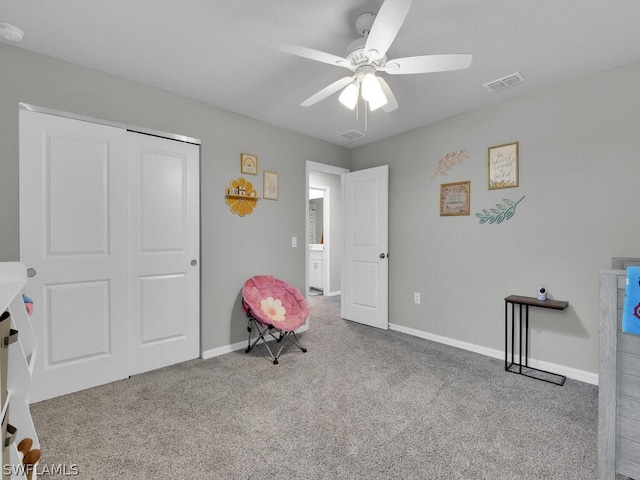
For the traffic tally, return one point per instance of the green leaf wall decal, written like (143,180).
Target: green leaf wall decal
(503,211)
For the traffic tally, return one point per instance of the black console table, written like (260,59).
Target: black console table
(520,367)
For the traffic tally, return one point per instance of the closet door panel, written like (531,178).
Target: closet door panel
(73,233)
(164,238)
(68,305)
(77,168)
(162,308)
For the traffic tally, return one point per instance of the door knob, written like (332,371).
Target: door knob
(31,272)
(382,255)
(194,263)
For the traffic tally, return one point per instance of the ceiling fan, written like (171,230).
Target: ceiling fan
(366,56)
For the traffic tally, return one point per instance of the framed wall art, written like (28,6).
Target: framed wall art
(270,186)
(455,198)
(249,163)
(503,166)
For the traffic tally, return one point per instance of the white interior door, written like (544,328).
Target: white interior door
(365,270)
(73,232)
(164,242)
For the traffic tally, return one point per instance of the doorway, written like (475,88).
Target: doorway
(318,225)
(324,251)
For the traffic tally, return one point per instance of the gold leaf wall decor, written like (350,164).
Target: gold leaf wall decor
(450,160)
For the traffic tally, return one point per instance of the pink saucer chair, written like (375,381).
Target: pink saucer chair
(271,304)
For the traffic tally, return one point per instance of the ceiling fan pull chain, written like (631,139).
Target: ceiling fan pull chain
(365,115)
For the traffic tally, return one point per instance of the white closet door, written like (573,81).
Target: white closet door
(109,220)
(164,243)
(73,232)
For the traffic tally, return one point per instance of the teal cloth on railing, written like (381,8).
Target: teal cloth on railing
(631,312)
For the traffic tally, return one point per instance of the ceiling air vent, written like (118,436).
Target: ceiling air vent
(504,82)
(351,135)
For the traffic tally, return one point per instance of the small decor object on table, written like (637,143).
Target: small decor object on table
(270,188)
(542,292)
(248,163)
(503,166)
(454,198)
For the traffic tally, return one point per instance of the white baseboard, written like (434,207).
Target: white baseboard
(333,294)
(215,352)
(580,375)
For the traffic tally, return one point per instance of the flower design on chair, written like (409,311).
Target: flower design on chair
(273,309)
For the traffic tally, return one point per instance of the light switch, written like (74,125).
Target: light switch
(294,242)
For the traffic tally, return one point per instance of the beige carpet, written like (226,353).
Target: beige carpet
(361,403)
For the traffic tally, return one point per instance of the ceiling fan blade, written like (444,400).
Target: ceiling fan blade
(312,54)
(328,91)
(428,64)
(392,103)
(386,26)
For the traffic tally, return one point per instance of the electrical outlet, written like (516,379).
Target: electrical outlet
(416,297)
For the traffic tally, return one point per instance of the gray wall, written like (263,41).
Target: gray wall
(335,190)
(233,248)
(579,170)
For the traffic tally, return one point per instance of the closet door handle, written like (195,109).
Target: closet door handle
(194,262)
(31,272)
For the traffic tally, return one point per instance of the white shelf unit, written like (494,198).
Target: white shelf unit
(21,358)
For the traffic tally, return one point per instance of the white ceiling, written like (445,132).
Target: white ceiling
(217,51)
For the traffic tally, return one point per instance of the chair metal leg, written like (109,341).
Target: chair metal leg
(293,338)
(266,330)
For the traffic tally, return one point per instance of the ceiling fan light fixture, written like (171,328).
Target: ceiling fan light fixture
(367,56)
(372,91)
(349,96)
(377,103)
